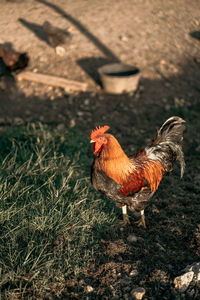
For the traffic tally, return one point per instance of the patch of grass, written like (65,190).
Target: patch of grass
(50,219)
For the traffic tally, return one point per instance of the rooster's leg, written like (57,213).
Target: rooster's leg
(141,222)
(143,218)
(125,216)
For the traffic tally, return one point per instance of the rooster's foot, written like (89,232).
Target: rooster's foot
(141,222)
(125,221)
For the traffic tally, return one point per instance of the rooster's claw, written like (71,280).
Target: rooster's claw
(125,221)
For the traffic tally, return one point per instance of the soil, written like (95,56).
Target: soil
(162,39)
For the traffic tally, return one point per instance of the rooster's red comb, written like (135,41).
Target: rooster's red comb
(99,131)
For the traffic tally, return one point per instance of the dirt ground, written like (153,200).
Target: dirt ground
(161,38)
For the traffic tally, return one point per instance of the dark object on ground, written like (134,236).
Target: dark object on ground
(56,36)
(2,67)
(13,60)
(195,35)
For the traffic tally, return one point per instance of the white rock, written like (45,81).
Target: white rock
(182,282)
(134,272)
(89,289)
(195,267)
(72,123)
(132,238)
(123,38)
(60,51)
(80,113)
(138,293)
(86,101)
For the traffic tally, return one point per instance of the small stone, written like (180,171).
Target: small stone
(43,58)
(67,91)
(60,126)
(182,282)
(163,62)
(138,293)
(134,272)
(86,101)
(81,282)
(89,289)
(18,121)
(196,22)
(123,38)
(41,118)
(167,106)
(132,238)
(52,97)
(72,123)
(49,88)
(80,113)
(60,51)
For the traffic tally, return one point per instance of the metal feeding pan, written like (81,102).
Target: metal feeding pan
(118,78)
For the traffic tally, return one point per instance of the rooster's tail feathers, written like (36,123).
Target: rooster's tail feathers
(171,130)
(167,145)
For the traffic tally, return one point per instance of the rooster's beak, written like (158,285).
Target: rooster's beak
(92,141)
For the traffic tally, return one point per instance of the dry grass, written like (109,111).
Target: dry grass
(49,223)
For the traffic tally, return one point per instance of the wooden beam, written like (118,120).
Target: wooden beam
(53,80)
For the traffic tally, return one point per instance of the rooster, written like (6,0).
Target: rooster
(131,182)
(13,60)
(55,35)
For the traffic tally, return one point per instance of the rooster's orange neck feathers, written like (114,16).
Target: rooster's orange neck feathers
(114,162)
